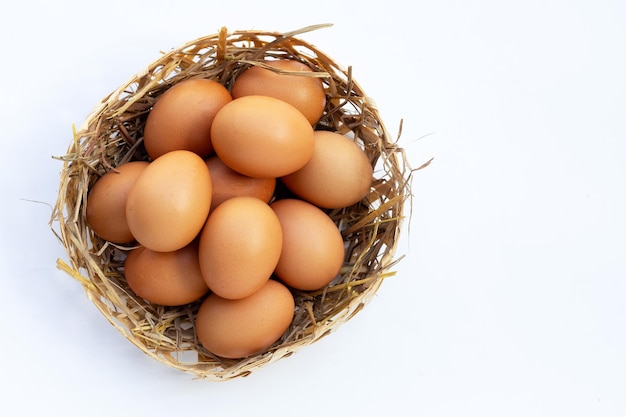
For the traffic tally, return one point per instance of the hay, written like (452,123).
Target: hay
(112,135)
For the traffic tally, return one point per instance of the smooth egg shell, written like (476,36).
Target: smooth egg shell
(239,247)
(305,93)
(170,201)
(313,248)
(182,117)
(262,137)
(165,278)
(228,183)
(240,328)
(106,202)
(338,174)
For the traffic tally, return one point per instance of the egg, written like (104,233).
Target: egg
(262,137)
(305,93)
(228,183)
(236,329)
(106,202)
(338,174)
(165,278)
(182,117)
(239,247)
(313,248)
(169,202)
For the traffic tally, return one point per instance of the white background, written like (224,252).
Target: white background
(511,300)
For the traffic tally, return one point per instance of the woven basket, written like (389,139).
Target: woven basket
(112,135)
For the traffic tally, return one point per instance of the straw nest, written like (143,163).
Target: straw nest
(112,135)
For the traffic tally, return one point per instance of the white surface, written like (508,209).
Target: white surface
(512,298)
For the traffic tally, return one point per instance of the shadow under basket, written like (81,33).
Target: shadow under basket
(112,135)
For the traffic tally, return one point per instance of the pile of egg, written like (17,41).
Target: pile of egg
(203,214)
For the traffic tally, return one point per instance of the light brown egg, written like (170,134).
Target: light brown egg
(239,328)
(239,247)
(170,201)
(262,137)
(313,248)
(228,183)
(165,278)
(106,202)
(182,116)
(338,174)
(305,93)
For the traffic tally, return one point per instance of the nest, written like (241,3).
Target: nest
(112,135)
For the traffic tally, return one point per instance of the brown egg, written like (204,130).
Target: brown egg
(262,137)
(182,116)
(240,328)
(239,247)
(170,201)
(228,183)
(305,93)
(338,174)
(313,248)
(166,278)
(106,202)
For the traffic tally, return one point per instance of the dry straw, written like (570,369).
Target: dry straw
(112,135)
